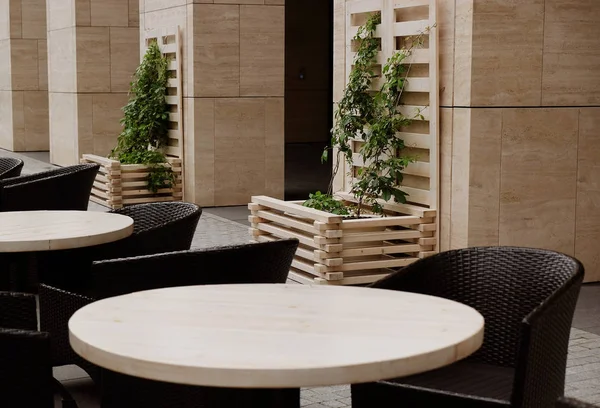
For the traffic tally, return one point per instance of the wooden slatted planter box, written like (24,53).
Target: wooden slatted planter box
(338,251)
(117,184)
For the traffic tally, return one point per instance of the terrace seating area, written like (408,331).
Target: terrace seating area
(527,298)
(299,203)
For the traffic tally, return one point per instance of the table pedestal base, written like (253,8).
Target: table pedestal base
(123,391)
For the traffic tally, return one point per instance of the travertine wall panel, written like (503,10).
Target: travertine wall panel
(539,170)
(233,53)
(507,52)
(571,53)
(445,210)
(587,233)
(216,50)
(262,51)
(23,75)
(484,175)
(518,154)
(93,51)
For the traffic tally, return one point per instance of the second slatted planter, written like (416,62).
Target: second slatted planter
(118,185)
(338,251)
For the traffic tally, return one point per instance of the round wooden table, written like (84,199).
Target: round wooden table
(58,238)
(274,336)
(32,231)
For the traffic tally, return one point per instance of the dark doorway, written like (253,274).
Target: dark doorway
(308,95)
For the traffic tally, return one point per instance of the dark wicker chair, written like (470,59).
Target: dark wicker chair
(573,403)
(527,297)
(25,367)
(157,228)
(66,188)
(252,263)
(10,167)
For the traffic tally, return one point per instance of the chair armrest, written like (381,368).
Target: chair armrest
(543,347)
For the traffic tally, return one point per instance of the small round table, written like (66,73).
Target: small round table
(274,336)
(45,232)
(33,231)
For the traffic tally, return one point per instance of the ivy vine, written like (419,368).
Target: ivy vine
(373,118)
(146,121)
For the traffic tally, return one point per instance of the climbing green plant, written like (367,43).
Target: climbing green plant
(146,119)
(373,118)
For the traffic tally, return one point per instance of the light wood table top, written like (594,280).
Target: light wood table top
(274,336)
(31,231)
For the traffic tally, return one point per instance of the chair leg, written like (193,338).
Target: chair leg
(284,398)
(67,399)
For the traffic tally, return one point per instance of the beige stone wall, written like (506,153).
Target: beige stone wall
(93,51)
(519,120)
(23,75)
(233,75)
(520,137)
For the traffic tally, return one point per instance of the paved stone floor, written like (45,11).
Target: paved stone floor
(227,226)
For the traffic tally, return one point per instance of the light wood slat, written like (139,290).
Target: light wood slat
(381,222)
(173,83)
(415,140)
(172,100)
(379,236)
(357,266)
(399,4)
(410,111)
(173,66)
(364,6)
(380,60)
(126,193)
(174,117)
(417,85)
(172,150)
(100,201)
(289,221)
(307,254)
(420,56)
(130,184)
(284,233)
(416,195)
(308,212)
(354,280)
(408,28)
(169,48)
(403,208)
(100,193)
(301,277)
(100,186)
(353,31)
(104,161)
(147,200)
(381,250)
(421,169)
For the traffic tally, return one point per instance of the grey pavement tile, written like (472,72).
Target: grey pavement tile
(83,392)
(238,213)
(334,404)
(68,372)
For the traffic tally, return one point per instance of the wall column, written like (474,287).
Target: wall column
(520,125)
(23,75)
(93,51)
(233,74)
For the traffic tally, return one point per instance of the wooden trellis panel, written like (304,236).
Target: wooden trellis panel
(401,19)
(168,40)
